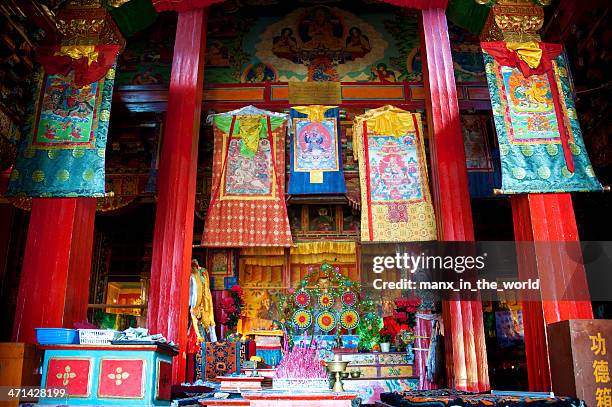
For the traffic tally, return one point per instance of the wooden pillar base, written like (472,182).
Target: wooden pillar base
(54,282)
(548,220)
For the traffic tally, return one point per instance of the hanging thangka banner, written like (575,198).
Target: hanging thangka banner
(316,159)
(247,206)
(62,153)
(395,199)
(540,141)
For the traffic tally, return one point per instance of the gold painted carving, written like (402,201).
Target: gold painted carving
(83,4)
(513,21)
(83,22)
(117,3)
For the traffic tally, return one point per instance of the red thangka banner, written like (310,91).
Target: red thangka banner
(247,205)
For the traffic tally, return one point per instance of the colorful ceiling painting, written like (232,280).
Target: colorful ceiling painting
(326,43)
(147,58)
(305,41)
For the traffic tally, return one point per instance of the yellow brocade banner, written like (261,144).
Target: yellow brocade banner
(388,120)
(315,113)
(262,251)
(530,52)
(395,197)
(250,130)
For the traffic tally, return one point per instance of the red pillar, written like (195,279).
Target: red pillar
(548,218)
(54,282)
(468,367)
(170,265)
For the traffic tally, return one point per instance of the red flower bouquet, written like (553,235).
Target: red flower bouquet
(385,334)
(232,307)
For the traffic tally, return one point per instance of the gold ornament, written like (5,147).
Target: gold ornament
(79,51)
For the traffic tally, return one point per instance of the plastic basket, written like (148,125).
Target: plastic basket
(96,336)
(56,336)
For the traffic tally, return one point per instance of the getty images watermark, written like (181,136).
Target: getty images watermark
(493,271)
(458,264)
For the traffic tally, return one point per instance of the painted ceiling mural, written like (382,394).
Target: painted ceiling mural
(312,42)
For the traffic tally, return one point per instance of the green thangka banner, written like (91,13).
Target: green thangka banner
(62,153)
(540,141)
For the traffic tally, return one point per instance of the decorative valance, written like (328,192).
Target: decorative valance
(540,141)
(326,246)
(323,251)
(262,251)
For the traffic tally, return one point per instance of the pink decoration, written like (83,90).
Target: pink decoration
(300,363)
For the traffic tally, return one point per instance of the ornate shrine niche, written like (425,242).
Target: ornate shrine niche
(335,41)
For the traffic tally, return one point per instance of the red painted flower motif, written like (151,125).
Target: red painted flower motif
(349,299)
(302,299)
(326,321)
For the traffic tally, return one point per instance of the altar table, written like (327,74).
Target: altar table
(271,398)
(135,375)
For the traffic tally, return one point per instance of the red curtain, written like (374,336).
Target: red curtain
(85,72)
(182,5)
(185,5)
(418,4)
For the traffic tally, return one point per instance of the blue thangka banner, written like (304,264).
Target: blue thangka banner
(62,154)
(526,112)
(316,159)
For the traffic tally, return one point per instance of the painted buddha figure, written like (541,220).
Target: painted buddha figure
(323,222)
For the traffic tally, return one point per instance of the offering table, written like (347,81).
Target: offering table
(271,398)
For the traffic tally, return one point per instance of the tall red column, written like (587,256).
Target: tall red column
(548,218)
(173,238)
(54,282)
(468,367)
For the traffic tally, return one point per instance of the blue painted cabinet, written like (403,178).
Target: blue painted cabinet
(135,375)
